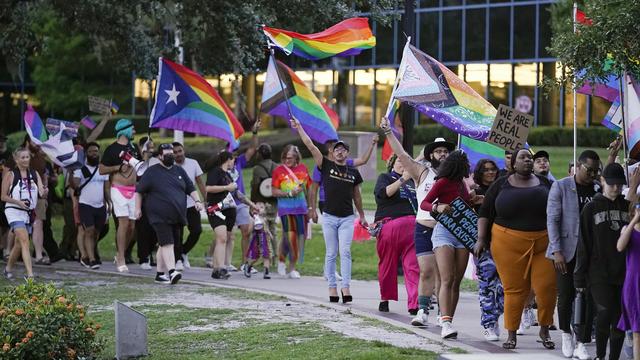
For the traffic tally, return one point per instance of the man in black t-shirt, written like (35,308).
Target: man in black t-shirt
(164,187)
(567,198)
(342,191)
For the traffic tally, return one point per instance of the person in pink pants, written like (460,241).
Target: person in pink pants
(394,227)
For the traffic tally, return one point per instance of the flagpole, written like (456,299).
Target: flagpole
(284,92)
(575,100)
(623,83)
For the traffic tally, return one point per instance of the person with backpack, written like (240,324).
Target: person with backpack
(261,192)
(21,189)
(93,194)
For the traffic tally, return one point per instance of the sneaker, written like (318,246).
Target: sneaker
(581,352)
(175,277)
(179,266)
(490,334)
(185,261)
(7,274)
(85,263)
(384,306)
(208,261)
(421,318)
(448,332)
(294,274)
(145,265)
(266,274)
(413,312)
(221,274)
(496,328)
(231,268)
(567,345)
(439,320)
(94,265)
(282,269)
(526,318)
(163,279)
(253,270)
(246,270)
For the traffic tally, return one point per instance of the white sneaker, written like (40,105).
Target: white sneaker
(490,334)
(253,270)
(185,261)
(179,265)
(525,320)
(567,345)
(581,352)
(448,332)
(294,274)
(421,318)
(145,266)
(282,269)
(521,329)
(232,268)
(439,320)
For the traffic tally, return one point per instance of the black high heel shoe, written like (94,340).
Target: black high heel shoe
(334,299)
(346,298)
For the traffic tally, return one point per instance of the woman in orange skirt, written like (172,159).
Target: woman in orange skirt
(513,221)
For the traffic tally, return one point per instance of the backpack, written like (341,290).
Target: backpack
(262,186)
(31,174)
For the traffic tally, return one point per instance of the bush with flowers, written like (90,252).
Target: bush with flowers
(39,321)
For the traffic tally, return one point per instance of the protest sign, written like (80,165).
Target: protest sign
(462,222)
(70,128)
(99,105)
(510,128)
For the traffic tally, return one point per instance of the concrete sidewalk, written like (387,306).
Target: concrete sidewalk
(366,299)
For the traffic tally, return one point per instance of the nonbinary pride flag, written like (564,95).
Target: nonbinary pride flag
(304,104)
(186,101)
(437,92)
(348,37)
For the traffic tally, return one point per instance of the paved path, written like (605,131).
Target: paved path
(366,298)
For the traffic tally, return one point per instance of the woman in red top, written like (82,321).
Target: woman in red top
(451,255)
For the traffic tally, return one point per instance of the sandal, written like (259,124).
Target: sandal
(547,343)
(509,344)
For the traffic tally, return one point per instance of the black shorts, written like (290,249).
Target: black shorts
(90,216)
(3,219)
(422,240)
(321,206)
(229,221)
(167,234)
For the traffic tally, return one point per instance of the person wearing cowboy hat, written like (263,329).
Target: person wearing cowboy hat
(424,176)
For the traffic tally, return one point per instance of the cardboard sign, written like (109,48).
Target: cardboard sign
(462,222)
(510,128)
(99,105)
(70,128)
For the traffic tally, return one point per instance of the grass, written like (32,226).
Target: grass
(237,333)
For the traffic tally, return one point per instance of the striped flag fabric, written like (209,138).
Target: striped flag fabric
(34,126)
(348,37)
(283,92)
(88,122)
(186,101)
(477,150)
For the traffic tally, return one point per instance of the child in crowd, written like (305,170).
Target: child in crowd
(259,244)
(629,241)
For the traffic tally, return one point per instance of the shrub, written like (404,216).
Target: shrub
(39,321)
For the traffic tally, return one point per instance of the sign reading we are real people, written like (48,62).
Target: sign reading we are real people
(510,128)
(462,222)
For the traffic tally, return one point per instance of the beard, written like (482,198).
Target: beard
(93,161)
(435,163)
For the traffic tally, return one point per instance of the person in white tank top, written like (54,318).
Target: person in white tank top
(423,170)
(21,200)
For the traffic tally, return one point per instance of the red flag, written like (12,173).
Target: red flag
(387,152)
(582,18)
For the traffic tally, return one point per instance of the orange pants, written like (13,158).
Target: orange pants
(521,263)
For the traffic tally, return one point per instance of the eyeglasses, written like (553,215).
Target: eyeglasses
(592,171)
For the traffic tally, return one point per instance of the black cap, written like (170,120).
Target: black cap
(613,174)
(341,143)
(165,146)
(541,154)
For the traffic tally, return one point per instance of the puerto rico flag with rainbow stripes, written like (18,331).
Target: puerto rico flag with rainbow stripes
(346,38)
(186,101)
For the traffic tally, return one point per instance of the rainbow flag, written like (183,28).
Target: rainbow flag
(88,122)
(186,101)
(396,126)
(114,107)
(34,126)
(347,38)
(632,115)
(478,150)
(437,92)
(304,104)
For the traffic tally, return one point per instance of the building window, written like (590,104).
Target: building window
(384,44)
(429,3)
(428,30)
(363,84)
(549,105)
(499,20)
(452,36)
(524,28)
(499,82)
(385,78)
(476,76)
(545,31)
(524,84)
(475,34)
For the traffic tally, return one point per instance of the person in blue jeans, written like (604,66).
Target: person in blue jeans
(342,188)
